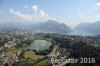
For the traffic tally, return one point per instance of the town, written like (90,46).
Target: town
(13,52)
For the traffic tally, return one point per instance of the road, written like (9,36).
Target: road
(53,52)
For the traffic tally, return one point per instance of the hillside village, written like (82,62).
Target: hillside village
(12,48)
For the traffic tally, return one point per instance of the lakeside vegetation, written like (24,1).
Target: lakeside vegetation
(68,46)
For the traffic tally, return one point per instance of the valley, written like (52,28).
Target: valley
(13,52)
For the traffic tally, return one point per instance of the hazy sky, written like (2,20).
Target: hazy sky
(70,12)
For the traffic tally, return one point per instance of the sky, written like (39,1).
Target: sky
(70,12)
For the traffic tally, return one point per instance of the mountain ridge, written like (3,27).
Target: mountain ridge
(89,27)
(48,26)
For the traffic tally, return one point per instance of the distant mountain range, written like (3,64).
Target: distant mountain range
(92,28)
(49,26)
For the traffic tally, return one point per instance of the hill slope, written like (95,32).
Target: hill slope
(46,27)
(92,28)
(52,26)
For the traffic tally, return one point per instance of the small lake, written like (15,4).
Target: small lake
(39,45)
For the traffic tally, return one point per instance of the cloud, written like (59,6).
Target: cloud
(83,18)
(76,21)
(39,15)
(35,8)
(98,5)
(42,13)
(24,16)
(38,12)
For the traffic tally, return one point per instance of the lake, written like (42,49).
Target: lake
(39,45)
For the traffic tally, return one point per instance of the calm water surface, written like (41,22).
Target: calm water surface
(39,45)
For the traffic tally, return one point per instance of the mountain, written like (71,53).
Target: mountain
(52,26)
(92,28)
(11,26)
(46,27)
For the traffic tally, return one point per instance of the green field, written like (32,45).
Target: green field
(31,55)
(42,63)
(11,52)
